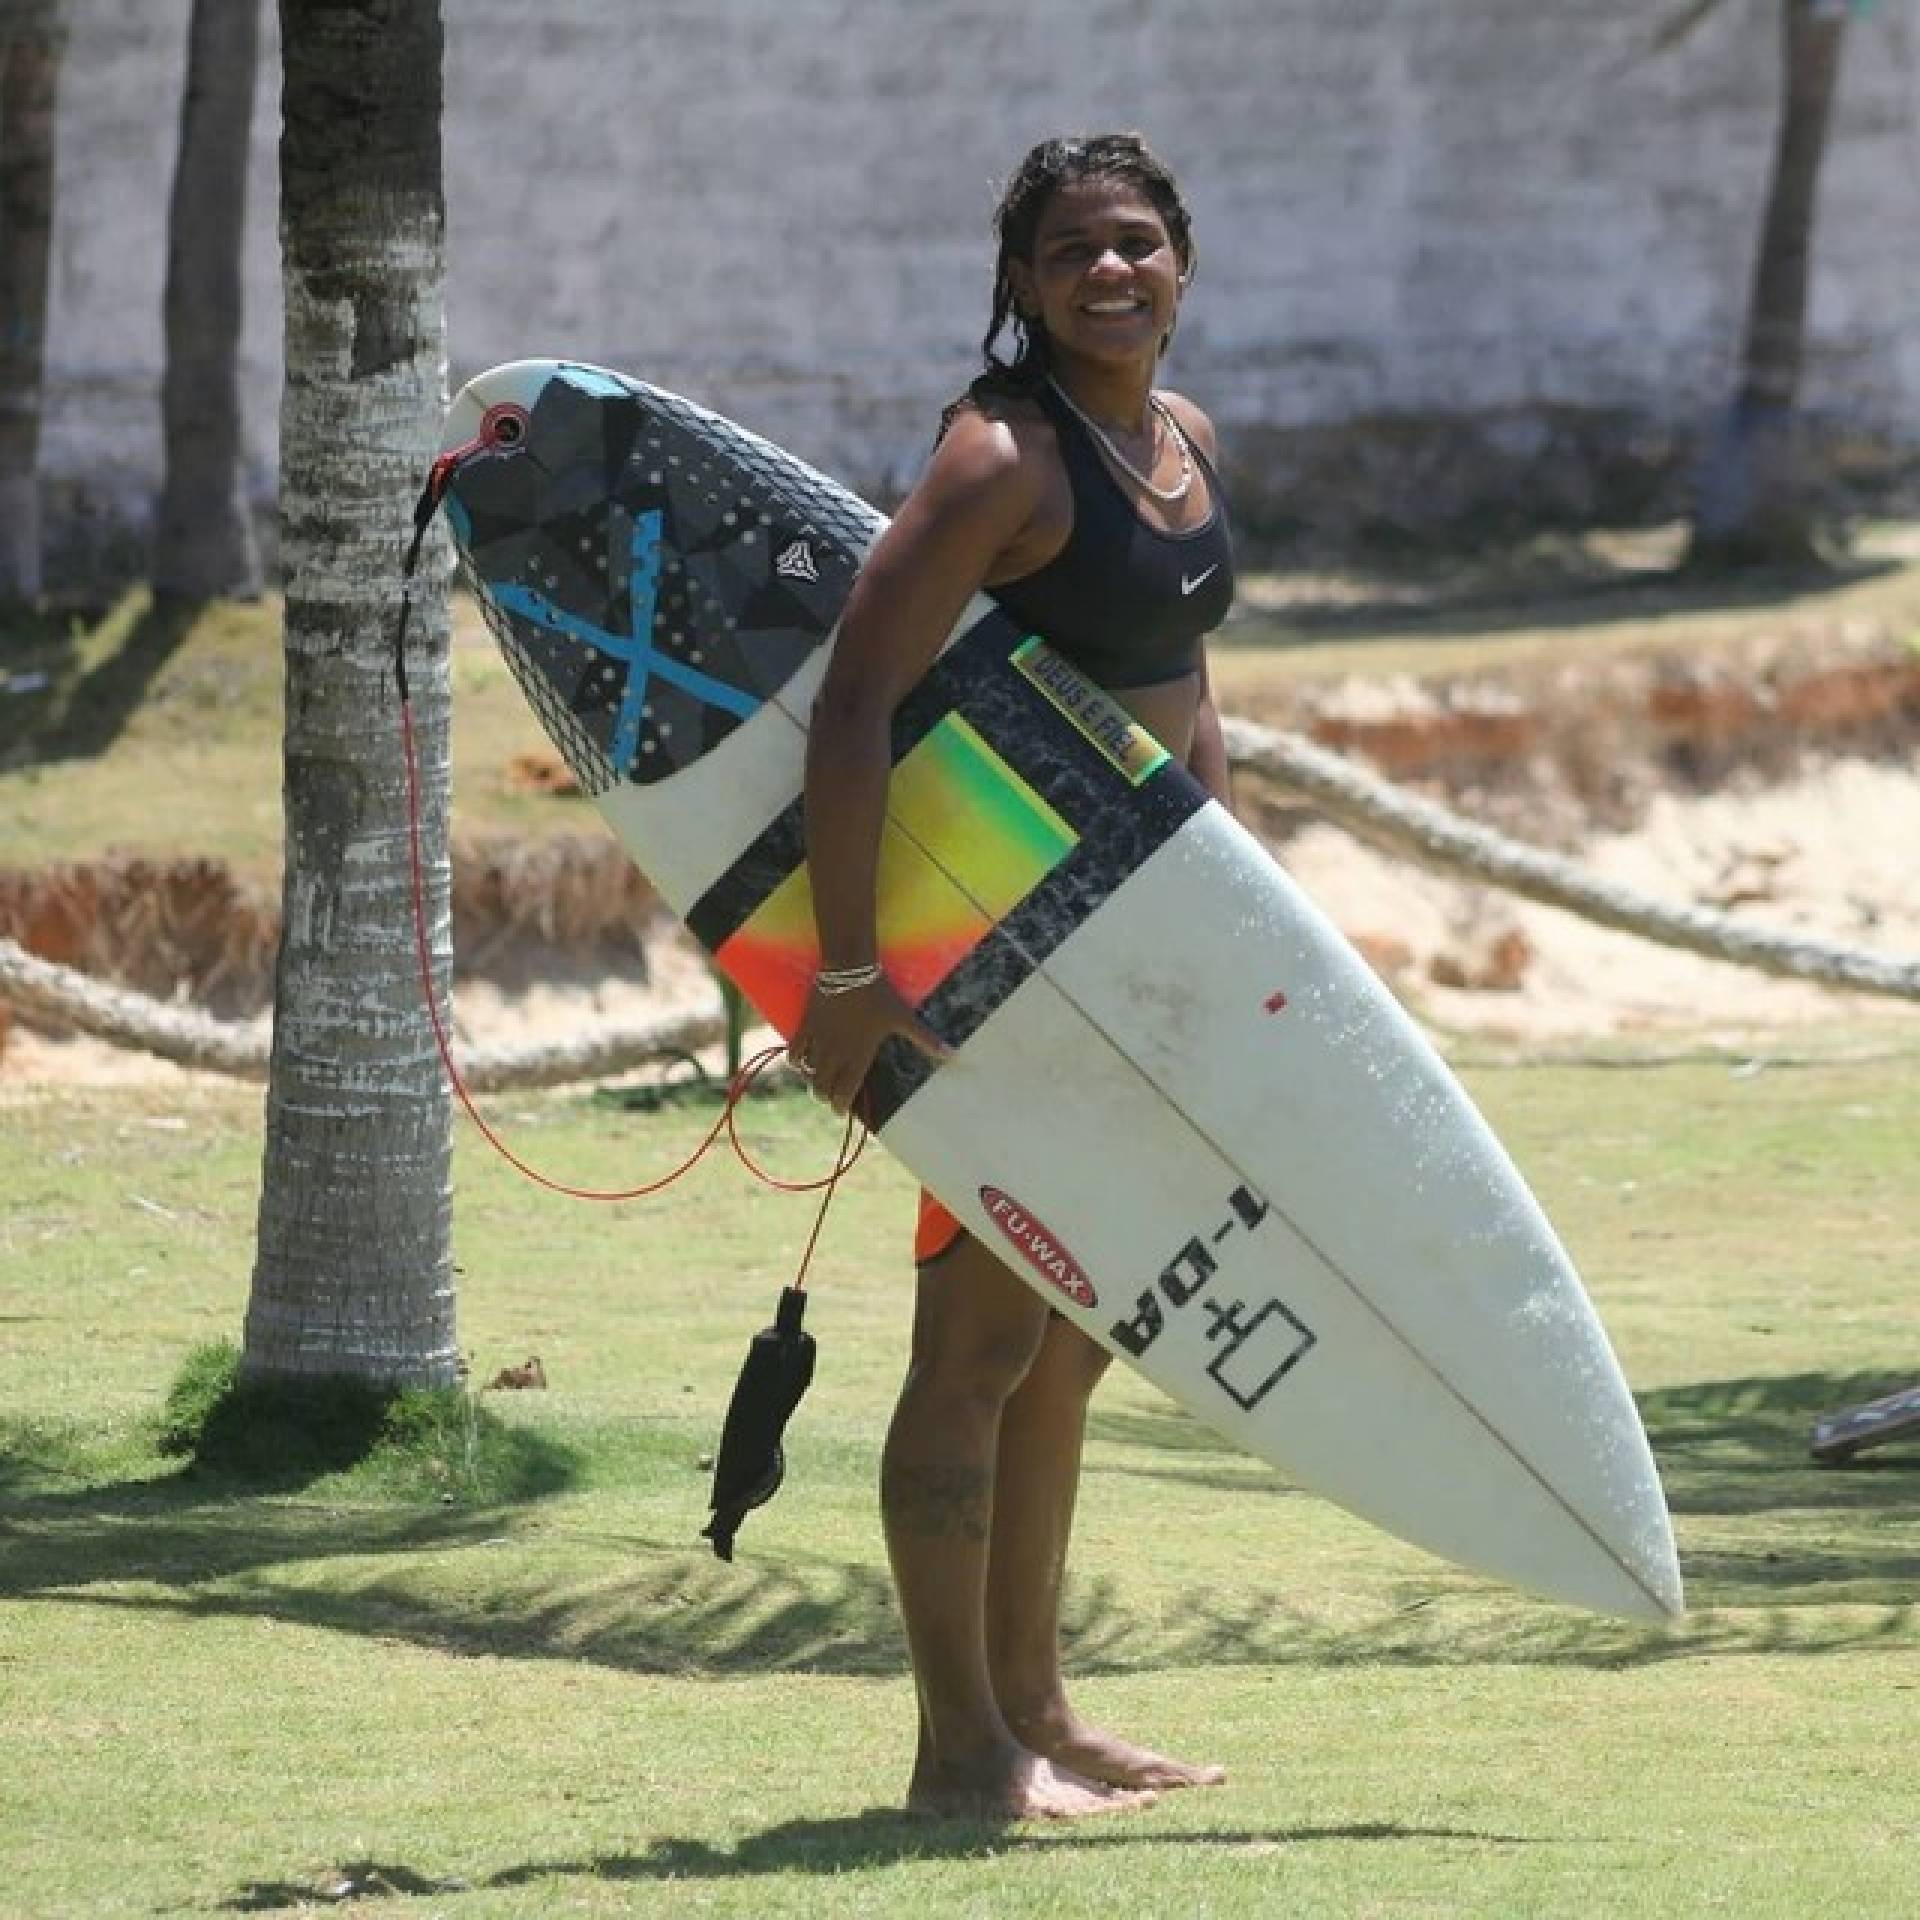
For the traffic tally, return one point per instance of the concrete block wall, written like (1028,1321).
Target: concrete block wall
(1424,225)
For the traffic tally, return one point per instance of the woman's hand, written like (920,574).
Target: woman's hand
(841,1032)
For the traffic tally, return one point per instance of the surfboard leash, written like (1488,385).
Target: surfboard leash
(751,1461)
(728,1121)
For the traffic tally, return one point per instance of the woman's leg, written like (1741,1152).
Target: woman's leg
(976,1332)
(1042,1431)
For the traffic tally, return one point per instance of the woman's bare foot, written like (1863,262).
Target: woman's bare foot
(1068,1741)
(1018,1786)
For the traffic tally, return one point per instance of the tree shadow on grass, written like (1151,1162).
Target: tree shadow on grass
(1439,598)
(1729,1451)
(1803,1561)
(1167,1443)
(179,1532)
(1167,1430)
(1734,1457)
(81,714)
(195,1524)
(880,1837)
(1724,1446)
(1741,1446)
(685,1617)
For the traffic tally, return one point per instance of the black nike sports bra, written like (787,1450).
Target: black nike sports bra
(1128,604)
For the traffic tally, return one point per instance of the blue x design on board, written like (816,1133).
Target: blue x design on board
(642,658)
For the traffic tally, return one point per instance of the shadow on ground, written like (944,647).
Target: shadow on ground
(1780,1555)
(64,1529)
(1729,1451)
(1740,1446)
(1725,1446)
(1445,598)
(81,713)
(882,1837)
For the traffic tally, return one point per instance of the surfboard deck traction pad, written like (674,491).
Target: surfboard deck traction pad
(646,607)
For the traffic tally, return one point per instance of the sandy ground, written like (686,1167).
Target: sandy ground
(1829,852)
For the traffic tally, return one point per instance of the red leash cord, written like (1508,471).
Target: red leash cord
(728,1122)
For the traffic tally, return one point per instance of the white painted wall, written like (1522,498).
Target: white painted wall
(1405,208)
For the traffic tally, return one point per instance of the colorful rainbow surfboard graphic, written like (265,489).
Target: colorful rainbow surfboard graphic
(966,840)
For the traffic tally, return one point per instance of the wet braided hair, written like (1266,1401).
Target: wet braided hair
(1123,158)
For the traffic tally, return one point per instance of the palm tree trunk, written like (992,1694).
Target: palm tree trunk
(31,41)
(1754,504)
(354,1272)
(203,540)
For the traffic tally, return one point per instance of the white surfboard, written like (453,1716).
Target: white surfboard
(1182,1108)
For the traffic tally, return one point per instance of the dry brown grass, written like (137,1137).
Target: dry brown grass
(158,925)
(205,928)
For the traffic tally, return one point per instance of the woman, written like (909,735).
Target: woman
(1087,502)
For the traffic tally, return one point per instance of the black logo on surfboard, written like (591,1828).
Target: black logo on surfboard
(1255,1350)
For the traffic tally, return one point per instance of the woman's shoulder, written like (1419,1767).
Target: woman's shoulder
(994,439)
(996,416)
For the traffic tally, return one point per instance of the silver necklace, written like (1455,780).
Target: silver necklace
(1170,495)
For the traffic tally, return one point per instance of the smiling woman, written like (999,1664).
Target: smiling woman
(1086,498)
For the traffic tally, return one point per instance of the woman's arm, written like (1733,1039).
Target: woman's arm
(980,493)
(1207,757)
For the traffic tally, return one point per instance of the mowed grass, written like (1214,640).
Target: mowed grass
(227,1702)
(340,1697)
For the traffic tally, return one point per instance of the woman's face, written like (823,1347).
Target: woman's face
(1104,279)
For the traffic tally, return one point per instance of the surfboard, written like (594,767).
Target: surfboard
(1181,1107)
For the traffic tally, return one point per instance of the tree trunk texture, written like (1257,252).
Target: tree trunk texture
(32,36)
(354,1271)
(1755,506)
(203,536)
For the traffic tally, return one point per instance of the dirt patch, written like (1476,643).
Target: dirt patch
(192,927)
(571,996)
(524,909)
(1553,749)
(1771,778)
(1824,852)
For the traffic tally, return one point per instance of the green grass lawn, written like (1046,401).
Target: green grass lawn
(351,1696)
(342,1696)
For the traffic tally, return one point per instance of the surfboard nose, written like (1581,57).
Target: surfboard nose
(1663,1583)
(1642,1550)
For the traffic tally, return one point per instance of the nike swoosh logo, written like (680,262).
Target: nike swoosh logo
(1199,579)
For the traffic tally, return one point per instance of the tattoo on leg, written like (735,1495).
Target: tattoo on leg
(934,1501)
